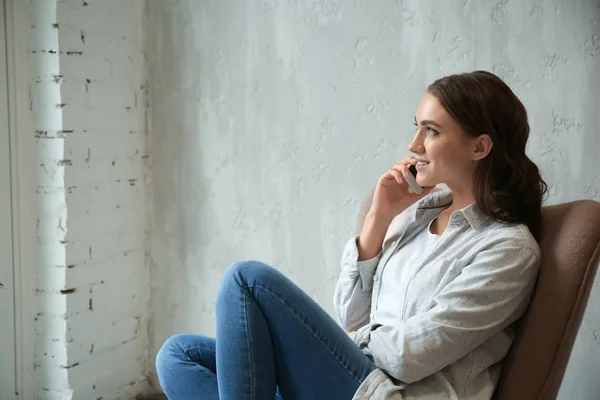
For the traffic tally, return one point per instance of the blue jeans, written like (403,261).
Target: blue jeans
(271,336)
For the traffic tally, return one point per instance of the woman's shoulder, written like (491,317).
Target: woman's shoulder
(510,235)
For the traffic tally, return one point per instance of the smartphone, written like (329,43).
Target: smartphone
(412,181)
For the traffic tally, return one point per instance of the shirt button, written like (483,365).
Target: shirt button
(393,244)
(372,316)
(375,277)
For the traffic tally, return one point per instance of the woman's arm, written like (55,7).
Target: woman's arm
(352,297)
(371,236)
(490,294)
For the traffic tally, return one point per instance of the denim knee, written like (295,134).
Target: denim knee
(169,352)
(244,272)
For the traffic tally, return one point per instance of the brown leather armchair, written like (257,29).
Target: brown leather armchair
(570,244)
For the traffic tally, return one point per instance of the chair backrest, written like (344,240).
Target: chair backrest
(570,246)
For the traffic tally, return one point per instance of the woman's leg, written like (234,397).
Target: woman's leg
(269,331)
(186,367)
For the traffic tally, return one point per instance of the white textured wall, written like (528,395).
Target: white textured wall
(88,106)
(270,121)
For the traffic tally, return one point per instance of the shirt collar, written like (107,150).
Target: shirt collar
(439,200)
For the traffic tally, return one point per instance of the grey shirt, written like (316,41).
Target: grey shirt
(441,327)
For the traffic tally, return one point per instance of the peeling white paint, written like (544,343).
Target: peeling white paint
(88,106)
(271,120)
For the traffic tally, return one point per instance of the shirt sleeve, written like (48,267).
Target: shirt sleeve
(352,296)
(491,293)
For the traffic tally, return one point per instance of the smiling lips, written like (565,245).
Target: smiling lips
(420,164)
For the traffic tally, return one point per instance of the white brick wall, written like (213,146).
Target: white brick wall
(88,103)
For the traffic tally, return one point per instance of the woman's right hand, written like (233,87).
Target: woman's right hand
(392,193)
(392,196)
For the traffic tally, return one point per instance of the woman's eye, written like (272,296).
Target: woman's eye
(432,131)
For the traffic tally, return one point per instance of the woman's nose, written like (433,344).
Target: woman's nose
(416,146)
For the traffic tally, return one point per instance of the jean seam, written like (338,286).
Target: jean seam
(250,353)
(185,351)
(307,327)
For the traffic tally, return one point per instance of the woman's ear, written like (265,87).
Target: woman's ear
(483,146)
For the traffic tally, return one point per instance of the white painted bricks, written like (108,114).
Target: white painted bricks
(88,103)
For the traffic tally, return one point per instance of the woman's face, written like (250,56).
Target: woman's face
(445,153)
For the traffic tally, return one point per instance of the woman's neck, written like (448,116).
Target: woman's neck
(460,199)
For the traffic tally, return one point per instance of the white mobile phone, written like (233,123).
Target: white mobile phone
(412,182)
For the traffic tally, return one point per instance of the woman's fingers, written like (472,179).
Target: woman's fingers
(407,161)
(400,175)
(397,175)
(399,172)
(402,169)
(404,164)
(391,176)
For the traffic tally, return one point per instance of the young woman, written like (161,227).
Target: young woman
(428,291)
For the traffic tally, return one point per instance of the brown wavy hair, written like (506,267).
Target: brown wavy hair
(508,185)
